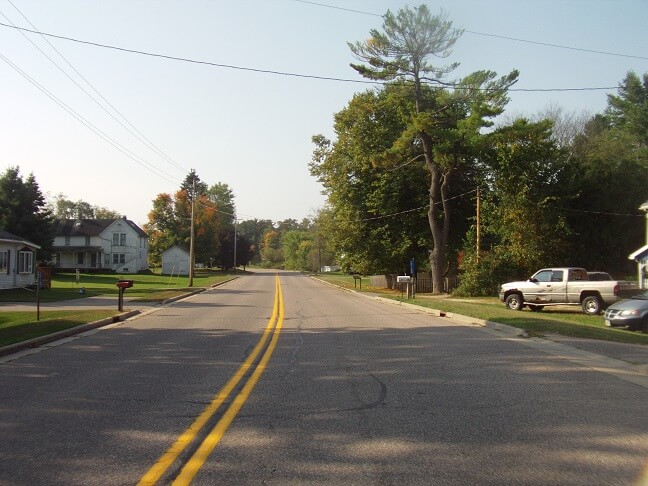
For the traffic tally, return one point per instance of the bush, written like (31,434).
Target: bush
(482,278)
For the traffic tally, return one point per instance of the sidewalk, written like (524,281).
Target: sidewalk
(84,303)
(132,307)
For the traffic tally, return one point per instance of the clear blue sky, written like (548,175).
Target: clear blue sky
(248,129)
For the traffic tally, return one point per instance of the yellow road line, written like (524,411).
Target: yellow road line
(211,441)
(163,464)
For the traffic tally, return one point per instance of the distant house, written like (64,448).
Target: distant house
(17,262)
(175,261)
(117,245)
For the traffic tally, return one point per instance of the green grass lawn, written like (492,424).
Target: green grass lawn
(20,326)
(147,286)
(564,320)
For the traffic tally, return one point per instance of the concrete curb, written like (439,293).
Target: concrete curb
(55,336)
(41,340)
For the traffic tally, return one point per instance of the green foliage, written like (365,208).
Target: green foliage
(170,221)
(610,181)
(24,211)
(297,249)
(253,230)
(483,276)
(376,215)
(63,208)
(441,125)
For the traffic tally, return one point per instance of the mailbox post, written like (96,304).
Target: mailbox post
(122,285)
(404,280)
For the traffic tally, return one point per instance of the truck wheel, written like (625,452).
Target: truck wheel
(592,305)
(515,302)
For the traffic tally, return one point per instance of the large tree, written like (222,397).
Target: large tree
(610,161)
(24,211)
(444,123)
(170,221)
(526,182)
(375,198)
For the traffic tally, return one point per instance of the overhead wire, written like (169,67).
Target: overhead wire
(97,131)
(383,216)
(516,39)
(132,130)
(278,73)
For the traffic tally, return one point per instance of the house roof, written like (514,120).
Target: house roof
(89,227)
(640,254)
(176,246)
(7,237)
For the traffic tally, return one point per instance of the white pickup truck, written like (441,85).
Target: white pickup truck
(564,286)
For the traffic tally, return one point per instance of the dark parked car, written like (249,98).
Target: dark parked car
(632,312)
(598,276)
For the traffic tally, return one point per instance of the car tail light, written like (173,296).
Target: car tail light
(617,288)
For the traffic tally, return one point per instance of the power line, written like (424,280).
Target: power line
(278,73)
(147,165)
(139,137)
(516,39)
(383,216)
(604,213)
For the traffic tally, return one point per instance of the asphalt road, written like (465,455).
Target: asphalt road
(342,390)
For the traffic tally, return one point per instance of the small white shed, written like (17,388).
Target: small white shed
(175,261)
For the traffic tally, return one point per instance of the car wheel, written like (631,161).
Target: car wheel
(535,308)
(514,302)
(592,305)
(644,324)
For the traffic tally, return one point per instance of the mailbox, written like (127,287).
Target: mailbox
(403,279)
(124,284)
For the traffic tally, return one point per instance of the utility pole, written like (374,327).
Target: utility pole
(191,237)
(235,221)
(478,225)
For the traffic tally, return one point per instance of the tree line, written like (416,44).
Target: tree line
(409,158)
(291,244)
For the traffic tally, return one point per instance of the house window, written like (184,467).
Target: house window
(87,241)
(67,241)
(4,261)
(80,258)
(119,258)
(25,262)
(119,239)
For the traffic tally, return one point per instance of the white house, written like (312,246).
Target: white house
(94,244)
(17,262)
(175,261)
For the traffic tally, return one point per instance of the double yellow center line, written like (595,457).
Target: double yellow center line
(196,461)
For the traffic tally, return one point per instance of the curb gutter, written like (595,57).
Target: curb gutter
(39,341)
(55,336)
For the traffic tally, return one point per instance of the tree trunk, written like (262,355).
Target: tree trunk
(439,227)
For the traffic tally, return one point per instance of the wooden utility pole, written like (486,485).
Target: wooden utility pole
(478,225)
(191,237)
(235,242)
